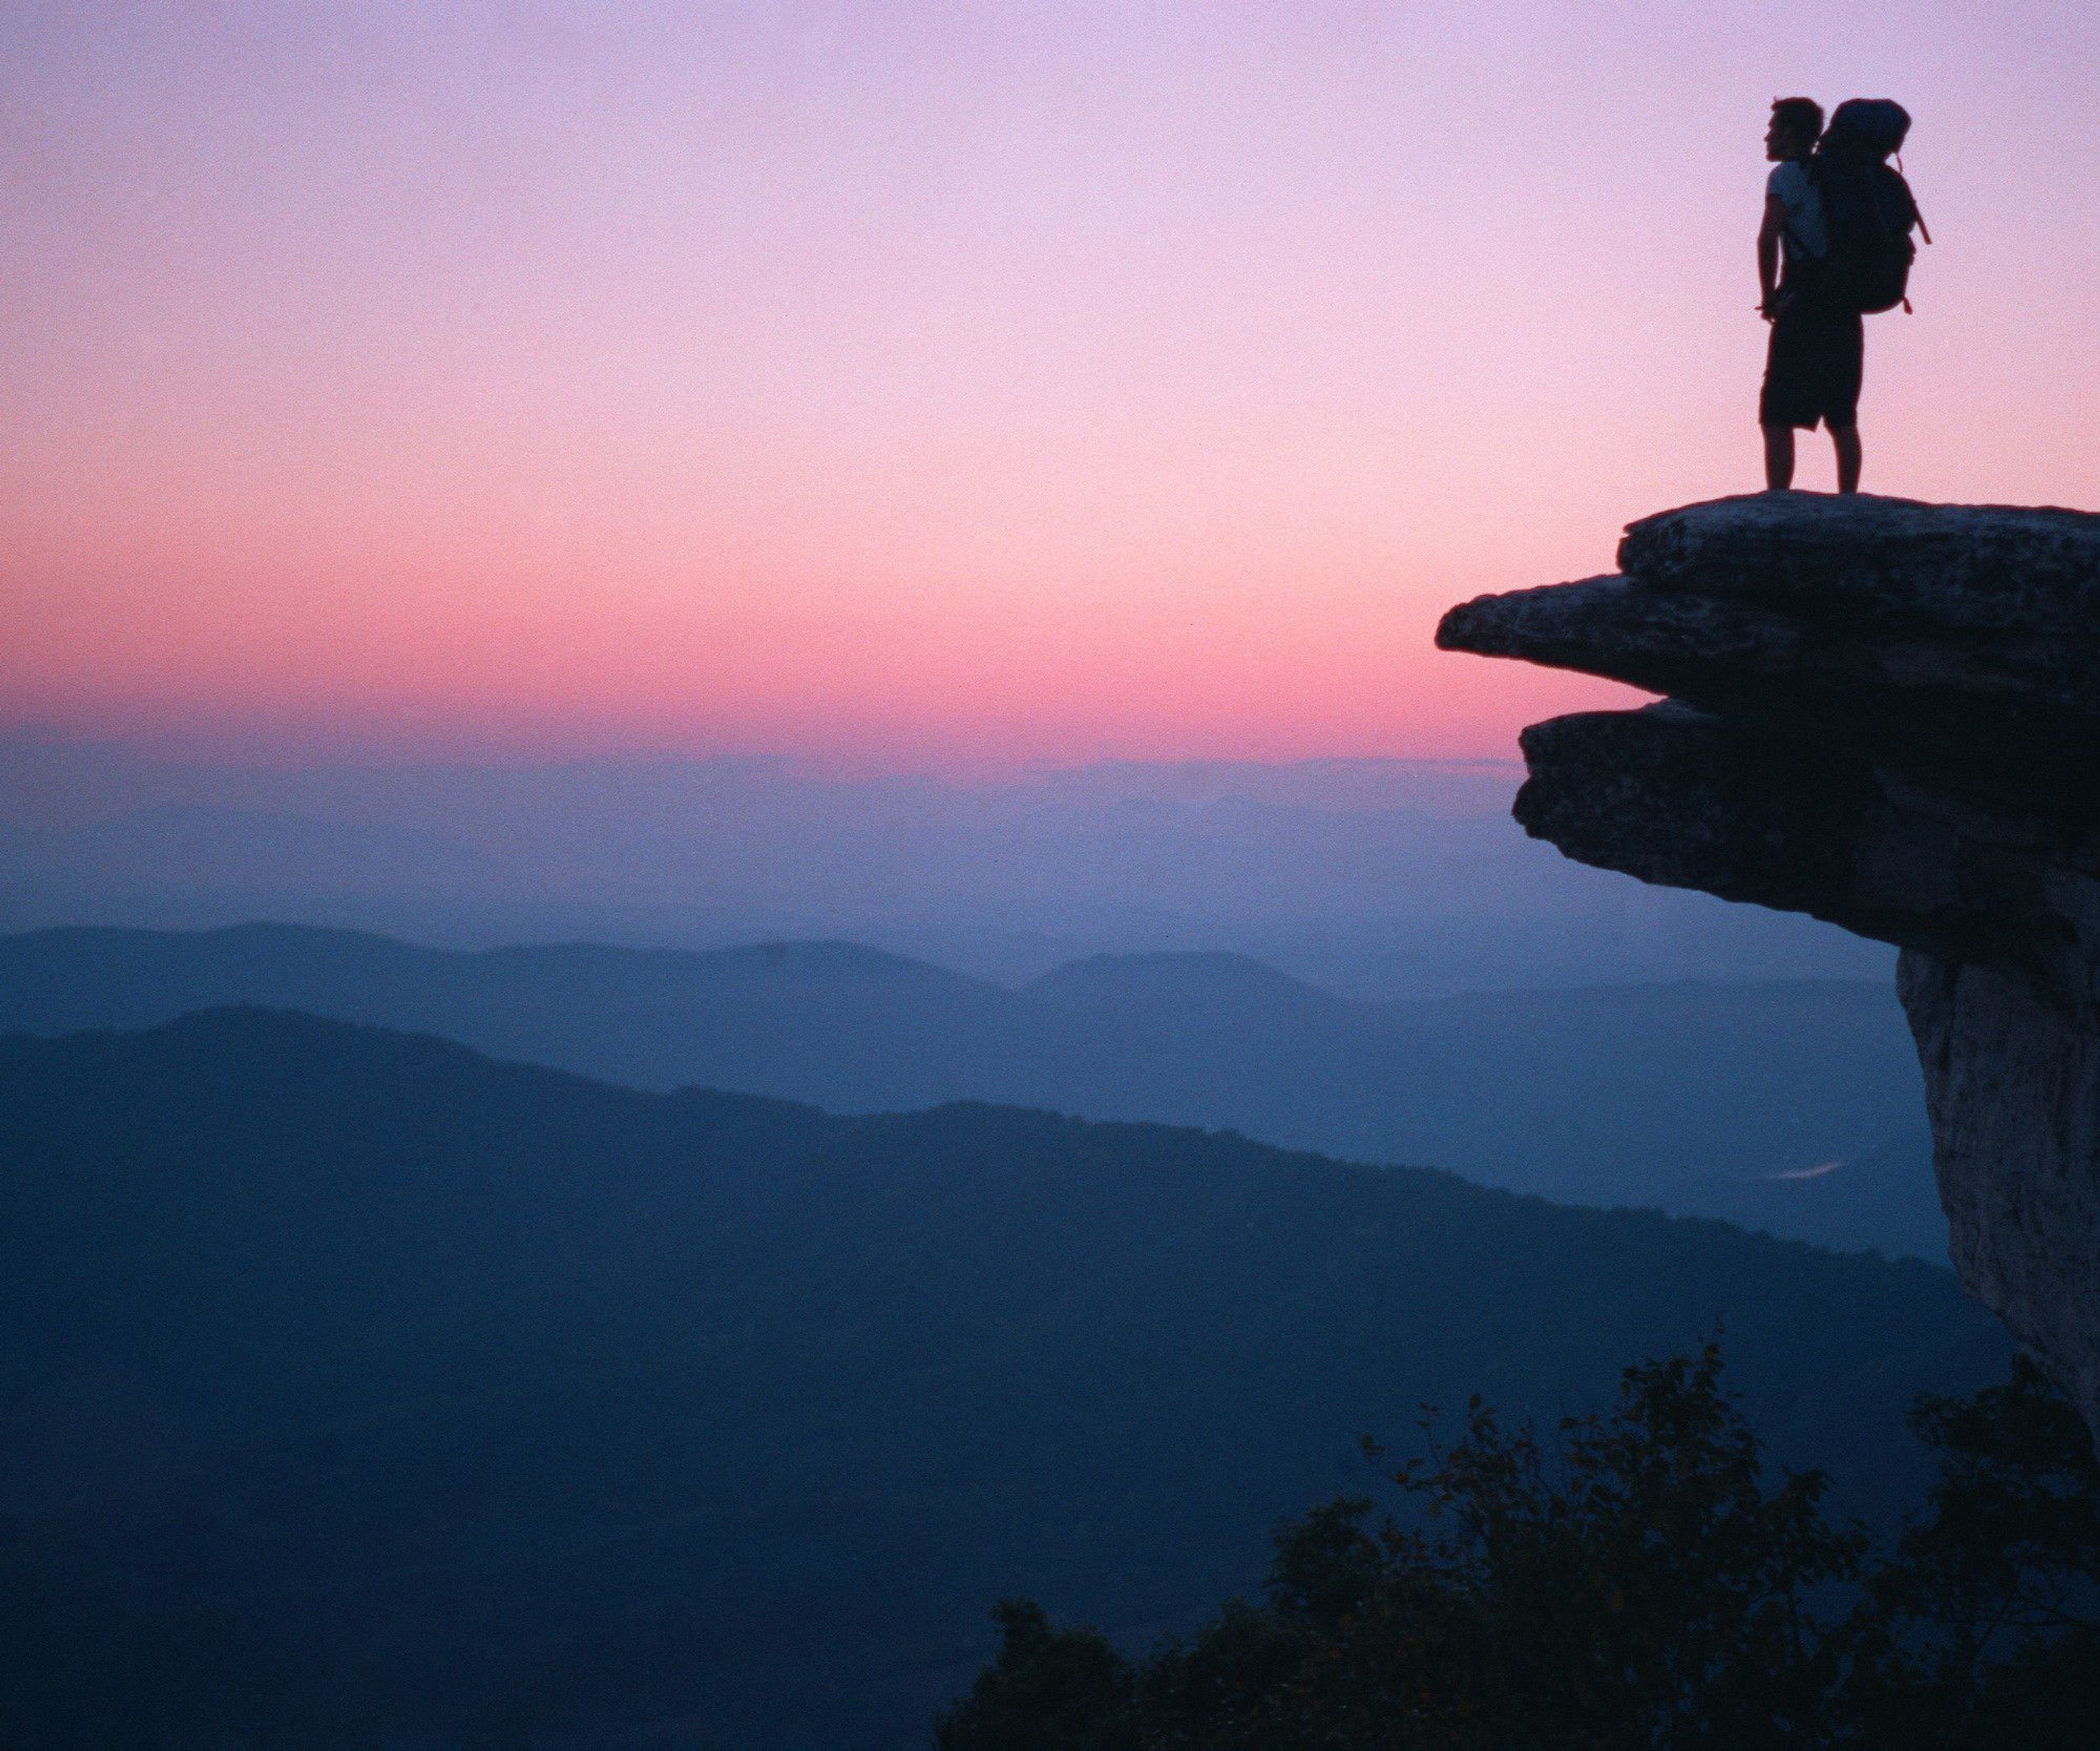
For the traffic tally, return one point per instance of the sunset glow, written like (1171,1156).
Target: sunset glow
(927,386)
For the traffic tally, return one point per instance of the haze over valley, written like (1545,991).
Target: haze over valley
(1370,877)
(637,1378)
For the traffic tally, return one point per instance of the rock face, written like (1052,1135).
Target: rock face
(1886,715)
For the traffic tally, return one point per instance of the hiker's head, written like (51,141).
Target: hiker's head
(1796,123)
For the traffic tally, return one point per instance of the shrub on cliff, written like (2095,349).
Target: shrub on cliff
(1989,1613)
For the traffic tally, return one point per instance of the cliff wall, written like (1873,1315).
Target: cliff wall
(1887,715)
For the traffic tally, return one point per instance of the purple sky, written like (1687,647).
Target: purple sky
(914,385)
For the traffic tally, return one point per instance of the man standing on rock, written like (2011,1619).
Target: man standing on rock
(1812,367)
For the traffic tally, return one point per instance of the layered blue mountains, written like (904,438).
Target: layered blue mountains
(1793,1106)
(645,1254)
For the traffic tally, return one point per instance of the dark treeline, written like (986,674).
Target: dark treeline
(1635,1586)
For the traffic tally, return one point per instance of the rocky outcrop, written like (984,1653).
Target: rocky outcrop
(1886,715)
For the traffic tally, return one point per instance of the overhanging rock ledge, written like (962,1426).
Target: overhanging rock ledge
(1886,715)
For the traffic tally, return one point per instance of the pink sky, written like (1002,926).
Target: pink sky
(932,386)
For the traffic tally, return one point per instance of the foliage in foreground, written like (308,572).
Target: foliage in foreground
(1636,1583)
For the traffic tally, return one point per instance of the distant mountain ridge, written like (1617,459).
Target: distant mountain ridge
(362,1390)
(1693,1097)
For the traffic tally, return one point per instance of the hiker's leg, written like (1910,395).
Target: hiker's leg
(1778,457)
(1845,439)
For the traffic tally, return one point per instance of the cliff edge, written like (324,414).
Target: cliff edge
(1887,715)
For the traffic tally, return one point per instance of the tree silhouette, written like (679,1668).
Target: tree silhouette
(1635,1581)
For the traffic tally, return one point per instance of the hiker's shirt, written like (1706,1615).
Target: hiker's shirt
(1804,239)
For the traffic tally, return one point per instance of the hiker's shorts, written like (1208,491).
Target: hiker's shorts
(1812,368)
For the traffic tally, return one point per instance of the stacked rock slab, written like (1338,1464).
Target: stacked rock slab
(1886,715)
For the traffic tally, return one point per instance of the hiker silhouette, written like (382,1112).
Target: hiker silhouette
(1834,247)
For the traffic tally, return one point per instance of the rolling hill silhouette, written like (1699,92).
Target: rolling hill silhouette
(362,1389)
(1694,1097)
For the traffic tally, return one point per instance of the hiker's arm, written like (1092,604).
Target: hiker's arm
(1768,236)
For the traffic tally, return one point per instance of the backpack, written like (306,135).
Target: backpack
(1868,210)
